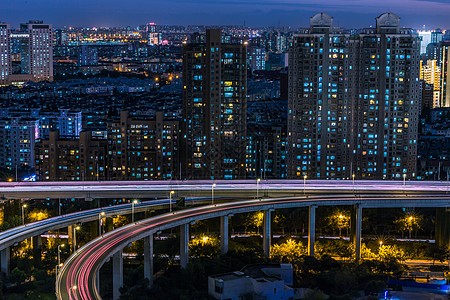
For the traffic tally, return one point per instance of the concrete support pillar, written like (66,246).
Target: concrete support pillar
(5,260)
(70,233)
(311,229)
(442,226)
(356,223)
(37,242)
(224,234)
(267,232)
(117,274)
(37,246)
(148,259)
(97,280)
(184,245)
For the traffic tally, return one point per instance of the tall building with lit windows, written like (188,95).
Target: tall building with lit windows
(354,101)
(26,54)
(444,100)
(5,52)
(214,109)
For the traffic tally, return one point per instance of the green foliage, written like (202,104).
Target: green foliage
(288,251)
(17,276)
(315,295)
(374,287)
(391,253)
(204,246)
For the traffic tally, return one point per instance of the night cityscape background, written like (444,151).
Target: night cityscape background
(151,150)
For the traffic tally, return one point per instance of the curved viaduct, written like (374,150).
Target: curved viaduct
(78,278)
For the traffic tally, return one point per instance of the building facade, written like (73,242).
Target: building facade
(143,148)
(17,137)
(354,101)
(214,109)
(5,53)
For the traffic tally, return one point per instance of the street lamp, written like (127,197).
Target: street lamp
(304,184)
(404,179)
(212,193)
(23,214)
(100,215)
(132,210)
(353,178)
(170,200)
(59,258)
(257,187)
(381,243)
(340,224)
(75,237)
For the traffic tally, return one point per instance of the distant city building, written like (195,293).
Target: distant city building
(136,148)
(17,137)
(88,56)
(143,148)
(31,55)
(214,109)
(431,75)
(426,39)
(445,75)
(71,159)
(354,101)
(256,58)
(5,53)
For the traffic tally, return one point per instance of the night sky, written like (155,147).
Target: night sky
(296,13)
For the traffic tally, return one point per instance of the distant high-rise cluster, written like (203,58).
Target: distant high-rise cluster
(26,54)
(354,101)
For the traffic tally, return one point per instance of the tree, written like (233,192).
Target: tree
(437,252)
(391,253)
(409,222)
(37,215)
(288,251)
(339,219)
(204,246)
(254,220)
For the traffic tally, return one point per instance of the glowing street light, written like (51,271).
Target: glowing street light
(404,179)
(170,200)
(381,243)
(304,184)
(100,215)
(257,187)
(132,209)
(205,239)
(212,193)
(23,214)
(75,228)
(59,258)
(353,178)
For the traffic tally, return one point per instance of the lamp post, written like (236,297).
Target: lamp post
(410,225)
(257,187)
(404,179)
(381,243)
(212,193)
(132,210)
(170,200)
(59,258)
(340,224)
(353,178)
(100,215)
(23,213)
(304,184)
(75,237)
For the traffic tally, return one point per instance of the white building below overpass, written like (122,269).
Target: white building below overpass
(260,282)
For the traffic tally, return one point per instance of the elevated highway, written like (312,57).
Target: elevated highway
(78,278)
(201,188)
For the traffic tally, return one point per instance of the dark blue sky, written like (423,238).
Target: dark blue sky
(347,13)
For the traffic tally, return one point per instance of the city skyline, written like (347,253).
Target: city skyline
(347,13)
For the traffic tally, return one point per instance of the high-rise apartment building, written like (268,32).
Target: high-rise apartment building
(430,73)
(143,148)
(5,53)
(214,109)
(17,137)
(71,159)
(29,53)
(445,75)
(353,101)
